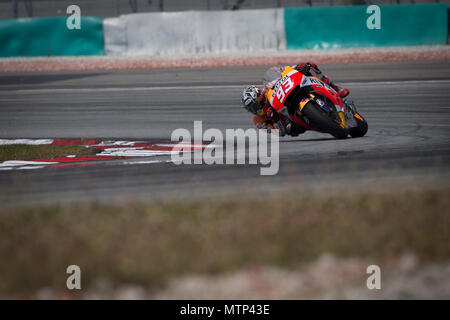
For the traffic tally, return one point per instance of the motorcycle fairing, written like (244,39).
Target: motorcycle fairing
(292,84)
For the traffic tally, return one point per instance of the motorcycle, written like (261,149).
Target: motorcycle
(314,105)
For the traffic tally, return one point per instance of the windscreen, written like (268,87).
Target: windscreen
(272,76)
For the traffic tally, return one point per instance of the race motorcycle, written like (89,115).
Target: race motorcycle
(313,105)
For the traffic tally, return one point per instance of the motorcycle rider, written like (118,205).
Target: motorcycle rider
(255,101)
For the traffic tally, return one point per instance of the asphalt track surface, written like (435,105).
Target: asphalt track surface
(406,105)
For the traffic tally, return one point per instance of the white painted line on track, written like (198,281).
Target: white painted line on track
(405,82)
(4,142)
(24,165)
(118,89)
(184,145)
(116,143)
(17,163)
(133,153)
(142,162)
(31,167)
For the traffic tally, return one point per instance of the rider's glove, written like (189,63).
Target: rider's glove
(314,67)
(270,113)
(306,68)
(342,92)
(325,79)
(303,67)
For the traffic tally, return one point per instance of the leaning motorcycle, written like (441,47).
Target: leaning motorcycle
(312,104)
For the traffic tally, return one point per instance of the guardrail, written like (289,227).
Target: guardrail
(192,32)
(10,9)
(27,37)
(272,29)
(346,27)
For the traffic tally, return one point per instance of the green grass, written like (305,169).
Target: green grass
(149,243)
(29,152)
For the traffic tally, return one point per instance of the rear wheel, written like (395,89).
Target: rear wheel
(361,129)
(322,121)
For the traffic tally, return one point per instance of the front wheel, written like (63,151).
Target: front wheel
(361,129)
(322,121)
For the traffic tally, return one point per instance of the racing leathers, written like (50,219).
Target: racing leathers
(268,118)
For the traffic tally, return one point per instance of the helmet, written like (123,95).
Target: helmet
(251,98)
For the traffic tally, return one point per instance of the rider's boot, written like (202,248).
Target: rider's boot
(341,92)
(292,128)
(281,129)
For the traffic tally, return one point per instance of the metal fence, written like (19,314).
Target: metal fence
(109,8)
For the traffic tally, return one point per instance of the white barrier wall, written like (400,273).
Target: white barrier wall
(191,32)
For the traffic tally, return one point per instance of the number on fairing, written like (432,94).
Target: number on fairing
(285,87)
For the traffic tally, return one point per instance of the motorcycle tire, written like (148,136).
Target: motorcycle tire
(323,122)
(360,130)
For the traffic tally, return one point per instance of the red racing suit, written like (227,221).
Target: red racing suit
(268,118)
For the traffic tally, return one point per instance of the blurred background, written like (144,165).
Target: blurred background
(10,9)
(145,228)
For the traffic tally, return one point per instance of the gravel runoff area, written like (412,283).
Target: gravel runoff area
(30,64)
(326,278)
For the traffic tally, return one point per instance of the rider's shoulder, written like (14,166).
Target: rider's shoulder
(289,69)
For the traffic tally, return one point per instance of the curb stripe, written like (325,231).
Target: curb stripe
(107,151)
